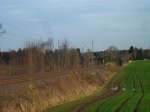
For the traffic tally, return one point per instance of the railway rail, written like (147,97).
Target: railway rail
(18,79)
(29,78)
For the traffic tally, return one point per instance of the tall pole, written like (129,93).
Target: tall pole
(58,56)
(92,45)
(92,54)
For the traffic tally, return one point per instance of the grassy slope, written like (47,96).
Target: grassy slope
(106,104)
(144,76)
(95,106)
(136,77)
(72,105)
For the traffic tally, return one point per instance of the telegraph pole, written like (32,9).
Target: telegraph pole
(58,56)
(92,45)
(92,53)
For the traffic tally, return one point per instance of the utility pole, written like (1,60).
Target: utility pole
(92,45)
(92,53)
(58,56)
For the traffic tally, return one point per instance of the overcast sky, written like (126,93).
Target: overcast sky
(120,23)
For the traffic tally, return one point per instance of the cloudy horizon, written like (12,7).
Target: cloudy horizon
(120,23)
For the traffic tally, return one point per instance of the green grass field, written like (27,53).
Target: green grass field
(135,98)
(133,86)
(69,106)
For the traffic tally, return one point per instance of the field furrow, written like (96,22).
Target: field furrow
(130,104)
(142,90)
(133,97)
(125,101)
(118,100)
(130,90)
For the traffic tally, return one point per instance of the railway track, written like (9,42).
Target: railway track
(15,79)
(29,78)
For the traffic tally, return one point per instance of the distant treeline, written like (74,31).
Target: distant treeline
(42,57)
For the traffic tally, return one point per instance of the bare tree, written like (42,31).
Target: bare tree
(111,51)
(86,59)
(1,30)
(64,54)
(112,48)
(74,61)
(48,45)
(35,57)
(48,48)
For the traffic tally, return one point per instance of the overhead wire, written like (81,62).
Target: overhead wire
(27,37)
(22,30)
(21,36)
(85,46)
(11,38)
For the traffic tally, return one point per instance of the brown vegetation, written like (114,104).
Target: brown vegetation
(83,78)
(36,96)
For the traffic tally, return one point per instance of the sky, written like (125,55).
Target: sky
(119,23)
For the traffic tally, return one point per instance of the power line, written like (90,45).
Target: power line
(22,30)
(18,35)
(11,39)
(85,46)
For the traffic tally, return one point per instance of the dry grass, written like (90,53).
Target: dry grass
(12,70)
(73,86)
(113,67)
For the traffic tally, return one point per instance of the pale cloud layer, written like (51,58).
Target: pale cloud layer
(108,22)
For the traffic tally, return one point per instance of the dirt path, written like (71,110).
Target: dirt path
(118,94)
(125,101)
(109,94)
(81,107)
(139,101)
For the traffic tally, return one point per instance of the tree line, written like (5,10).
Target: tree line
(40,57)
(139,53)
